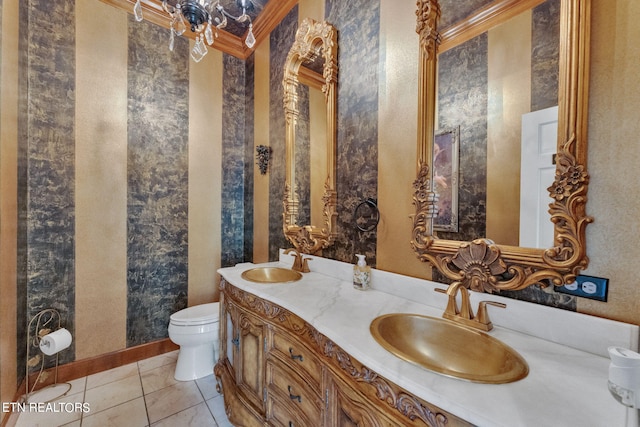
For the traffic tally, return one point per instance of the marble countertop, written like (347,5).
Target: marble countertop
(566,386)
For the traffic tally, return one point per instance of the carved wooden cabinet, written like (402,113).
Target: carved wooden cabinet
(242,352)
(350,408)
(294,382)
(249,344)
(277,370)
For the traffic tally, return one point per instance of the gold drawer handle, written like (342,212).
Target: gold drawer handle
(295,356)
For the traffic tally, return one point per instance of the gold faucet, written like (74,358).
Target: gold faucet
(299,263)
(464,315)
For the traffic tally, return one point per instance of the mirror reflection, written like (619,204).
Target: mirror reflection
(495,89)
(478,262)
(311,145)
(310,84)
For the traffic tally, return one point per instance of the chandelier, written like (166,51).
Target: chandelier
(203,17)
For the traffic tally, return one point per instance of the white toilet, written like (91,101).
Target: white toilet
(197,331)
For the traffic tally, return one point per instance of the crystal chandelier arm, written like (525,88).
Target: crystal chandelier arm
(242,18)
(250,40)
(199,15)
(168,8)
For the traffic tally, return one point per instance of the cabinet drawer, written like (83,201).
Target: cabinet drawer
(298,357)
(281,413)
(284,385)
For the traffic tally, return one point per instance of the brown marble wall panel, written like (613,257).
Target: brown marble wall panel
(537,295)
(281,40)
(358,25)
(46,277)
(249,155)
(462,101)
(22,202)
(237,160)
(157,179)
(545,54)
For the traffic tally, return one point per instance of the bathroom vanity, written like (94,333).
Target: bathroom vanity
(301,354)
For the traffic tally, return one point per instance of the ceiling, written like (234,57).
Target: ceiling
(265,16)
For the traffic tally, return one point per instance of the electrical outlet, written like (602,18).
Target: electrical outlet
(587,287)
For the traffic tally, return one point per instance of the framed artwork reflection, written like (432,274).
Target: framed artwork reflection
(446,161)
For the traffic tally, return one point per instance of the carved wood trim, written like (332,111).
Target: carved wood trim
(249,416)
(402,402)
(310,78)
(483,265)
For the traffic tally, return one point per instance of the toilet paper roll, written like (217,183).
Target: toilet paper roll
(55,342)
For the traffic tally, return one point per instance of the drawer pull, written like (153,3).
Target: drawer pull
(294,396)
(236,341)
(295,356)
(290,423)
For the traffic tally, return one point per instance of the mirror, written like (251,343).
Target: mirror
(480,264)
(499,90)
(310,226)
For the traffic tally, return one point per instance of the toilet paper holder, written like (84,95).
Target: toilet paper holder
(46,322)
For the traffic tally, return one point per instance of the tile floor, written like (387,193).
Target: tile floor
(136,395)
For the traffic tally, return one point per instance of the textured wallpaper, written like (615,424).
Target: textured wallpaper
(281,40)
(358,25)
(46,165)
(545,54)
(237,170)
(157,172)
(462,102)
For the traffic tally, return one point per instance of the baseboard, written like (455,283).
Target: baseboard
(103,362)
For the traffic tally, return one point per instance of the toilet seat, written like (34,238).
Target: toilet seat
(196,315)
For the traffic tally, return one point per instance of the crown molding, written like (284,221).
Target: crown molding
(484,19)
(269,18)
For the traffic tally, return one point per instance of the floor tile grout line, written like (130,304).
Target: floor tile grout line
(84,389)
(137,363)
(114,406)
(84,397)
(144,395)
(112,381)
(171,362)
(204,399)
(119,404)
(185,409)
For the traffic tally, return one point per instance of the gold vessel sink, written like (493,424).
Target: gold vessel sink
(271,275)
(449,349)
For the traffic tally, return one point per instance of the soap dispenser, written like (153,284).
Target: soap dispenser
(361,274)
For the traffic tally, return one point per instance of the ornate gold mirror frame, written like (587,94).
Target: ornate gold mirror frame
(313,40)
(482,265)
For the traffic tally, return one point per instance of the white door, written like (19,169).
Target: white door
(537,170)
